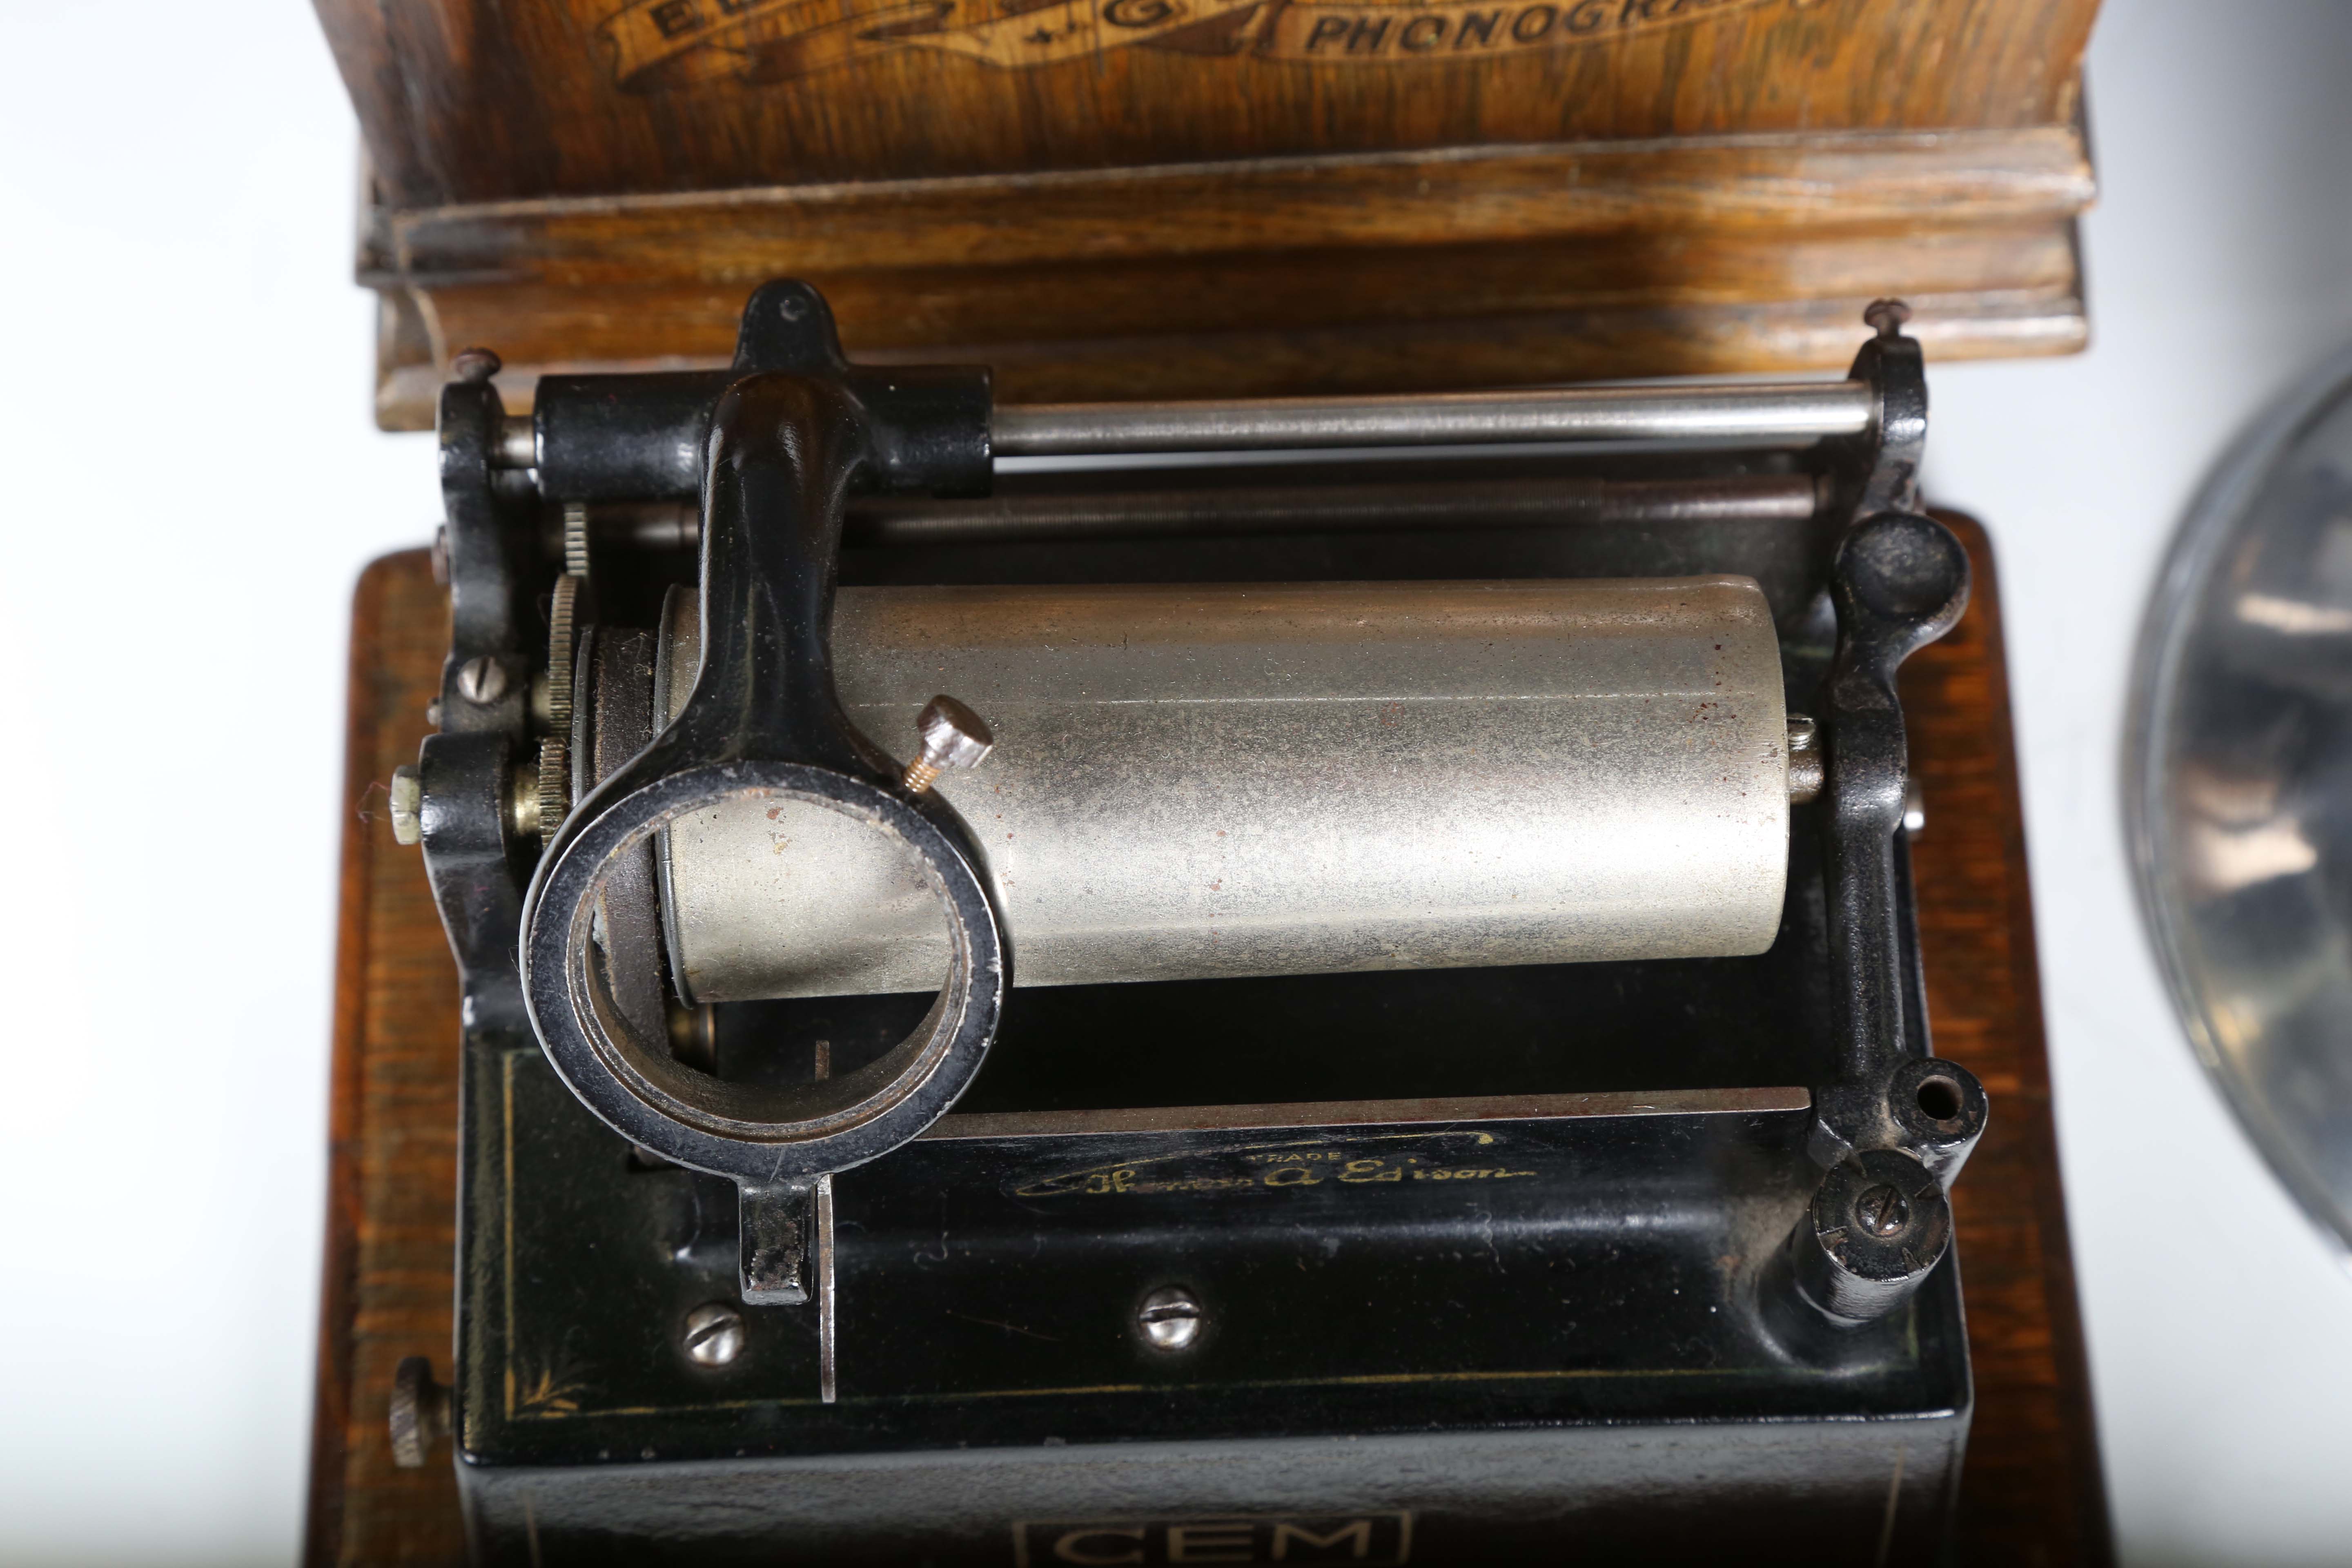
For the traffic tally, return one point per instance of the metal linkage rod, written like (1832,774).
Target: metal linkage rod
(1760,412)
(1334,508)
(1258,510)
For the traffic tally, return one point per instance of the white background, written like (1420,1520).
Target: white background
(192,483)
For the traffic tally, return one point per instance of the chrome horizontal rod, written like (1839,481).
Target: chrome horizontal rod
(1333,508)
(1260,509)
(1760,412)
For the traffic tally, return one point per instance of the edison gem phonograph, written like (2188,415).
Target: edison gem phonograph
(1174,791)
(1261,987)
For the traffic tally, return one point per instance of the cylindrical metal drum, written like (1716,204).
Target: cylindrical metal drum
(1273,779)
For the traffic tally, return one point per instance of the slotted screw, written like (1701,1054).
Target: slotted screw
(1169,1318)
(1882,1211)
(482,679)
(714,1334)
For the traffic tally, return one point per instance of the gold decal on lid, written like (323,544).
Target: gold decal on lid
(662,43)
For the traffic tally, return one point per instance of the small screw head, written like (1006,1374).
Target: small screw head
(1885,317)
(474,364)
(1807,773)
(714,1334)
(1881,1210)
(953,737)
(482,679)
(419,1415)
(1170,1319)
(407,794)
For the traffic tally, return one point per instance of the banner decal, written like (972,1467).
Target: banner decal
(659,43)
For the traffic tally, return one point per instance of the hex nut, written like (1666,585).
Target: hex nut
(407,797)
(714,1334)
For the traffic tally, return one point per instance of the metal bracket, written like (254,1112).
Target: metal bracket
(1900,581)
(1895,1126)
(791,437)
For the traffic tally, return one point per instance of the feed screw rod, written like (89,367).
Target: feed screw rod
(953,737)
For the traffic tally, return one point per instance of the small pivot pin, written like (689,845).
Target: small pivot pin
(1885,317)
(953,737)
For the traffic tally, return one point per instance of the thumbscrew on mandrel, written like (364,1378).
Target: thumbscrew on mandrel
(953,737)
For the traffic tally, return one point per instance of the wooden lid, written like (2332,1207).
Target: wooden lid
(1181,197)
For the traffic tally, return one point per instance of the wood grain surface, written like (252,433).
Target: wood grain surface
(1184,198)
(464,102)
(392,1151)
(2031,1493)
(1398,272)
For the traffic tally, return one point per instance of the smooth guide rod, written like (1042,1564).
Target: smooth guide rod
(1794,411)
(1766,411)
(1558,502)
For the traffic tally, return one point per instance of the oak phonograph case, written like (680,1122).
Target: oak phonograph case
(1165,750)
